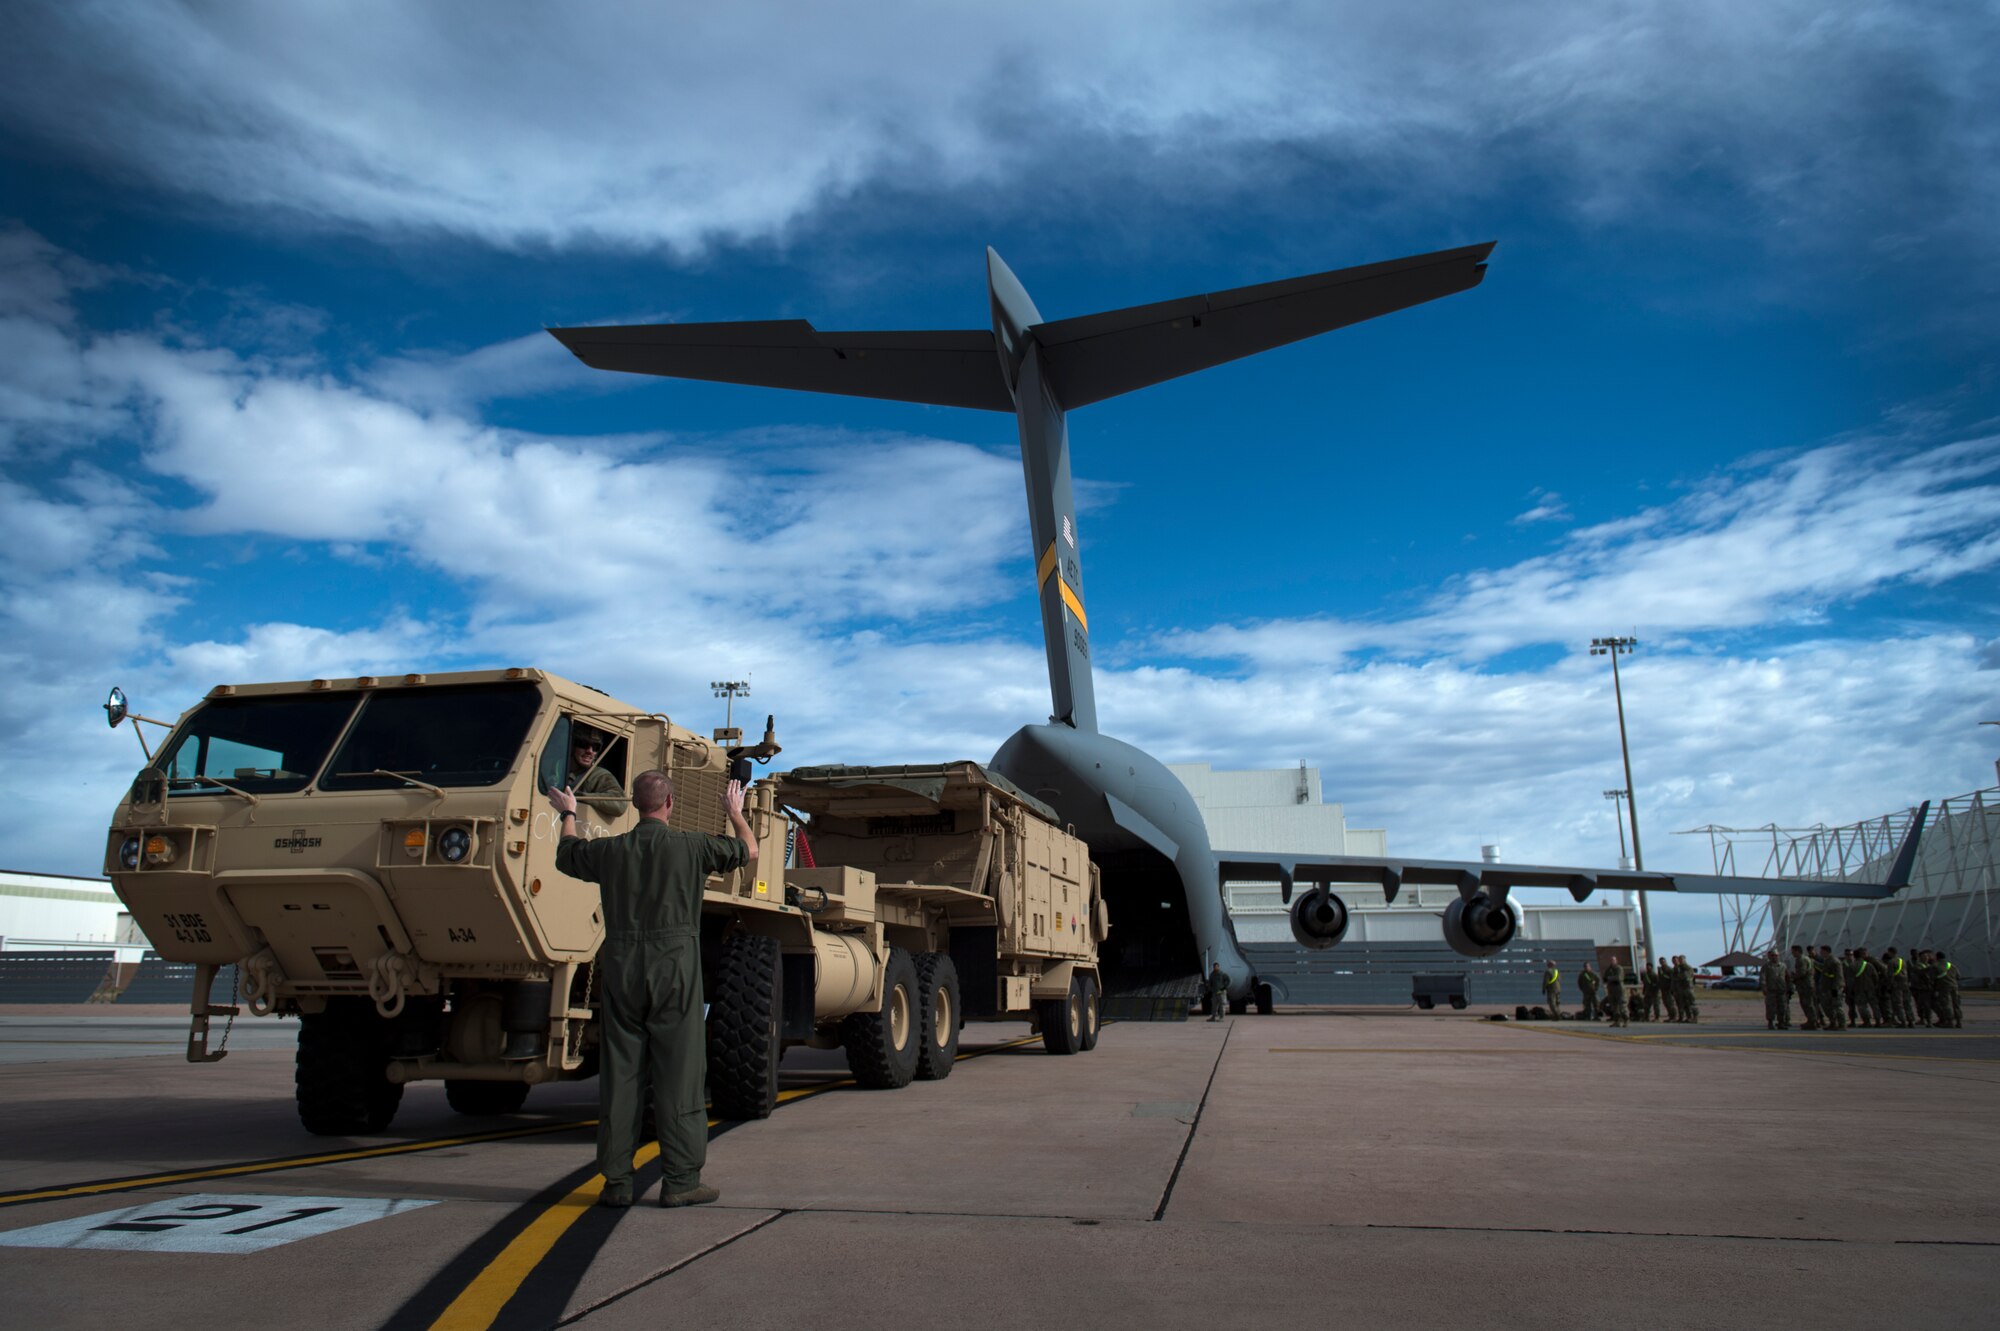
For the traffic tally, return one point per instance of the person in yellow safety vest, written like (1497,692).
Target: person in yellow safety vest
(1552,991)
(1897,972)
(1949,1012)
(1832,989)
(1803,987)
(1866,983)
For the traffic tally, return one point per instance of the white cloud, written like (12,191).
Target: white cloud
(1549,507)
(1751,547)
(668,126)
(459,384)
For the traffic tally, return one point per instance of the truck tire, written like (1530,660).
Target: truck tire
(1093,1017)
(882,1046)
(938,1016)
(1265,1004)
(745,1039)
(341,1078)
(1062,1020)
(482,1099)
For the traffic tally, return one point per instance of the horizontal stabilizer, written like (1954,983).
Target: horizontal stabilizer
(1101,355)
(944,367)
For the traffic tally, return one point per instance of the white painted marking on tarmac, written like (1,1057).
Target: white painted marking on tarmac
(210,1222)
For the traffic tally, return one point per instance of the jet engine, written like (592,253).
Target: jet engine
(1478,926)
(1319,919)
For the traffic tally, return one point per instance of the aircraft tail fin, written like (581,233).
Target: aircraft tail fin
(1098,356)
(1906,854)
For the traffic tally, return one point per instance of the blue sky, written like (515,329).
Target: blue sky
(274,401)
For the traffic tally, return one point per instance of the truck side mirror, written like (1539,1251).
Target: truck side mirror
(114,707)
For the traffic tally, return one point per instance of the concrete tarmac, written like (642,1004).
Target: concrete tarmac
(1382,1169)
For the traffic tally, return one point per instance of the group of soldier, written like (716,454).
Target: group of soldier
(1664,992)
(1855,989)
(1833,993)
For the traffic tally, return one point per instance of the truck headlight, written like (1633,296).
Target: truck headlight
(454,844)
(128,852)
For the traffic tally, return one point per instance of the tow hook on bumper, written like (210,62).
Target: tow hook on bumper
(198,1051)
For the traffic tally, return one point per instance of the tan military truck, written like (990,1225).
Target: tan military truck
(377,855)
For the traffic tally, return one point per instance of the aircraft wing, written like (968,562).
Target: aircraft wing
(1469,876)
(1101,355)
(944,367)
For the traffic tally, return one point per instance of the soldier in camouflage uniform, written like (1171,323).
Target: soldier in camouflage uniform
(1684,991)
(1777,989)
(1614,995)
(1802,985)
(1830,981)
(1649,991)
(1923,986)
(1896,975)
(1847,986)
(1670,999)
(1552,991)
(1586,983)
(1949,1012)
(1868,985)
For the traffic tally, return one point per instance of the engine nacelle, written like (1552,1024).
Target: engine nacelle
(1479,926)
(1319,919)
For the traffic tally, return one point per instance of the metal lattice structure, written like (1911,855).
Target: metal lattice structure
(1949,904)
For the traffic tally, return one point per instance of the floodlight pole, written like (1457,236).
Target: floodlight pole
(1618,816)
(732,689)
(1614,648)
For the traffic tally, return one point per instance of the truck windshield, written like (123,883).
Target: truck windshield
(262,745)
(454,735)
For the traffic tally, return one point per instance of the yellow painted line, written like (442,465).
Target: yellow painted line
(1046,565)
(1075,604)
(293,1162)
(480,1302)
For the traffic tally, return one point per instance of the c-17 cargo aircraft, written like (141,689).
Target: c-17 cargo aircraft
(1162,879)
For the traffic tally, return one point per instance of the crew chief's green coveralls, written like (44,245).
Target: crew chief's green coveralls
(649,978)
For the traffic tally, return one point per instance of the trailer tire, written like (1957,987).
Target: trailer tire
(483,1099)
(1093,1017)
(745,1036)
(882,1046)
(341,1077)
(938,1016)
(1062,1020)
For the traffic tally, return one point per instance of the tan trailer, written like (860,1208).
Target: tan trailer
(377,855)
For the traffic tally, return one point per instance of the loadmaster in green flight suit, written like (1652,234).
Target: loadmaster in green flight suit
(649,974)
